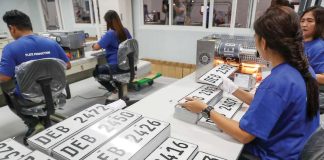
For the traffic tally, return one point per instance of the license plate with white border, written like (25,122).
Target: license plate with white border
(97,134)
(228,106)
(204,93)
(135,143)
(48,138)
(205,156)
(207,123)
(213,76)
(37,155)
(174,149)
(10,149)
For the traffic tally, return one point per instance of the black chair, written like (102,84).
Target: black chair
(41,84)
(314,148)
(127,62)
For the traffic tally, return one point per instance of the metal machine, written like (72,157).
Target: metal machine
(71,41)
(237,51)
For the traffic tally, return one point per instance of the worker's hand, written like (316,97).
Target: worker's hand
(228,85)
(194,105)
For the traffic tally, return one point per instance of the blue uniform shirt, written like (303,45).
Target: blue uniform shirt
(314,51)
(110,43)
(277,116)
(26,48)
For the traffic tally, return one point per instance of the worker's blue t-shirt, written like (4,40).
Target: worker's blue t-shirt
(277,116)
(314,51)
(110,43)
(26,48)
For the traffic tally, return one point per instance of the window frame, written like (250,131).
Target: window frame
(93,19)
(228,30)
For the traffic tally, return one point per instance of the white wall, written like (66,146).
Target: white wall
(30,7)
(171,43)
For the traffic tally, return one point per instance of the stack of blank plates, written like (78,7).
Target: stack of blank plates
(37,155)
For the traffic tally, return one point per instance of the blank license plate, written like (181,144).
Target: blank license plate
(174,149)
(10,149)
(37,155)
(213,76)
(135,143)
(46,139)
(89,139)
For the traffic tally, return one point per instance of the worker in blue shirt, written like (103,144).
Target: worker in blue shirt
(21,50)
(283,113)
(312,24)
(116,33)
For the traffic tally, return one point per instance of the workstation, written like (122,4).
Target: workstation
(191,78)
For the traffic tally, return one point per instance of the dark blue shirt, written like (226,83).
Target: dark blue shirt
(110,43)
(26,48)
(277,116)
(314,51)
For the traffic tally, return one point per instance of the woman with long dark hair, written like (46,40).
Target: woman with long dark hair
(283,113)
(312,24)
(116,33)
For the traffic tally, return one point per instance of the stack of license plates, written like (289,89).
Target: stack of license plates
(10,149)
(46,140)
(207,93)
(227,107)
(214,76)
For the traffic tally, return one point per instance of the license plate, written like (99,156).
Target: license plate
(213,76)
(206,156)
(228,106)
(204,93)
(135,143)
(89,139)
(174,149)
(37,155)
(10,149)
(207,123)
(48,138)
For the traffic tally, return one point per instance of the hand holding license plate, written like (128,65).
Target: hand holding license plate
(206,93)
(10,149)
(206,156)
(37,155)
(214,76)
(87,140)
(174,149)
(135,143)
(48,138)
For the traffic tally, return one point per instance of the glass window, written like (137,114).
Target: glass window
(156,12)
(243,13)
(83,12)
(187,12)
(262,6)
(222,13)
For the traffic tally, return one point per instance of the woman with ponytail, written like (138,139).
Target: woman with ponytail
(283,113)
(312,24)
(116,33)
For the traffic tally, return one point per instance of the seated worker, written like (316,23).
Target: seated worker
(283,113)
(19,51)
(116,33)
(312,24)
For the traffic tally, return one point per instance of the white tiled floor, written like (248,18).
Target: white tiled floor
(11,125)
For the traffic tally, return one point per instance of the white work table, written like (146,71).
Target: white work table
(160,105)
